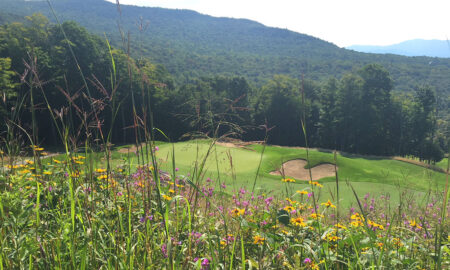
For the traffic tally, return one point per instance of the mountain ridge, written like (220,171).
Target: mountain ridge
(414,47)
(191,44)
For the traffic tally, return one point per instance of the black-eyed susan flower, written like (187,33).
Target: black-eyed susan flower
(103,176)
(328,204)
(237,212)
(315,183)
(299,222)
(374,225)
(289,208)
(316,215)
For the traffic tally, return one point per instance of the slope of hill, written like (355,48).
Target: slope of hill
(190,44)
(416,47)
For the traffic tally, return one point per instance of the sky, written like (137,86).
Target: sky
(342,22)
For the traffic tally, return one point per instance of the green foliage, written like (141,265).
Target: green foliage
(358,113)
(192,45)
(7,87)
(278,105)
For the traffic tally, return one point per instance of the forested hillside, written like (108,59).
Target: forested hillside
(195,73)
(45,76)
(190,45)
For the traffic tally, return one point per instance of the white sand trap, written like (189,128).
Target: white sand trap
(296,169)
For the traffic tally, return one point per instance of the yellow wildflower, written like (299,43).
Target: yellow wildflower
(223,243)
(315,183)
(288,180)
(328,204)
(298,222)
(333,238)
(375,225)
(37,148)
(103,176)
(414,224)
(316,215)
(302,192)
(289,208)
(291,201)
(340,226)
(237,212)
(258,240)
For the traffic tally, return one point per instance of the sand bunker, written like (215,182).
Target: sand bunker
(296,169)
(227,144)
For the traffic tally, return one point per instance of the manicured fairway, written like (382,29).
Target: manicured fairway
(237,168)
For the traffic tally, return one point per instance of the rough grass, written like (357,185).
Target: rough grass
(73,213)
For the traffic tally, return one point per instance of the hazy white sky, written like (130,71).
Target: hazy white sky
(342,22)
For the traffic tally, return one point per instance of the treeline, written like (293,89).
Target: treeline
(105,92)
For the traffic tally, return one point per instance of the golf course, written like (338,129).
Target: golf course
(237,166)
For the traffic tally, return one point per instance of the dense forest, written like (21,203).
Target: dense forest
(53,74)
(191,45)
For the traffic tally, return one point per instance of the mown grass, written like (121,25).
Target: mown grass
(237,168)
(443,163)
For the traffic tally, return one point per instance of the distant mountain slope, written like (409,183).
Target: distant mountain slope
(190,44)
(416,47)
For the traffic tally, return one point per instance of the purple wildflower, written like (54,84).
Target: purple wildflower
(164,250)
(205,264)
